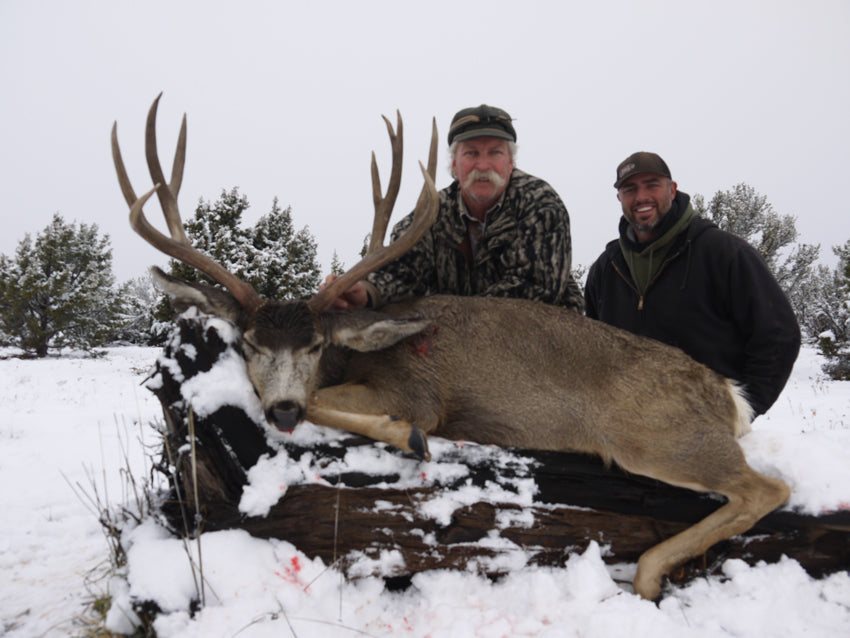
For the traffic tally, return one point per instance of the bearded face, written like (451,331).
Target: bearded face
(646,198)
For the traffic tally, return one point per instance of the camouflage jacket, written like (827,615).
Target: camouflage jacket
(525,251)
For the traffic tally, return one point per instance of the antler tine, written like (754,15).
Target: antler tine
(384,204)
(123,179)
(178,245)
(167,196)
(424,216)
(432,157)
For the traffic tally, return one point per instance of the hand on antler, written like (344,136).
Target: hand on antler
(354,297)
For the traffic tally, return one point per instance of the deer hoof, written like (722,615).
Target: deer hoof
(418,443)
(665,586)
(649,588)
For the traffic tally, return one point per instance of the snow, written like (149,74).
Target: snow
(70,427)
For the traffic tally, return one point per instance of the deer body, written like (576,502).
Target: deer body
(526,374)
(503,371)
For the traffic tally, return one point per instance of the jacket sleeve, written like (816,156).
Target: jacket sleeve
(591,290)
(410,275)
(767,321)
(536,255)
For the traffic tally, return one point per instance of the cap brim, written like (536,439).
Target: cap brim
(625,179)
(483,132)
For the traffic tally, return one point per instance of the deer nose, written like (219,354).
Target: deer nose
(285,415)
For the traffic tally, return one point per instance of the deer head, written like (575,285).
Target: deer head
(284,342)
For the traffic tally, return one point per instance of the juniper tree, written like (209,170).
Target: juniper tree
(746,213)
(277,260)
(282,262)
(337,267)
(828,313)
(138,323)
(58,291)
(216,230)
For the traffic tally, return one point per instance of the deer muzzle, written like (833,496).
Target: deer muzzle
(285,415)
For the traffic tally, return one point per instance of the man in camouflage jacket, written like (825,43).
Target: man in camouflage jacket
(499,231)
(524,250)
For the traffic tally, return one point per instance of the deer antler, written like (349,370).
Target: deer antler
(384,204)
(424,215)
(178,245)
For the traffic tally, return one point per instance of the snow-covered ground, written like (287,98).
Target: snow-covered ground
(69,428)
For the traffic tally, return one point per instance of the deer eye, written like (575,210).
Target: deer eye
(253,348)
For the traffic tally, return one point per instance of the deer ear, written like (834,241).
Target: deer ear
(209,300)
(378,334)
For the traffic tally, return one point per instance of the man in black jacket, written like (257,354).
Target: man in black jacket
(678,278)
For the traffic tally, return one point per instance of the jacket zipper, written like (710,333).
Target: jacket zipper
(651,281)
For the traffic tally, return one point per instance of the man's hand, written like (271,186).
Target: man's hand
(354,297)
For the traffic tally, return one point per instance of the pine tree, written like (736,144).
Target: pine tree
(59,290)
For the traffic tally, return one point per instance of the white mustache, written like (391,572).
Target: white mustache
(484,176)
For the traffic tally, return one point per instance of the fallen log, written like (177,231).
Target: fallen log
(371,510)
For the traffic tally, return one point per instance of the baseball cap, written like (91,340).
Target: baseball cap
(641,162)
(481,121)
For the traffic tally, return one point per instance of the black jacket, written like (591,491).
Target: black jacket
(714,298)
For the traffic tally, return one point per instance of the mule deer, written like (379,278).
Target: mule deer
(509,372)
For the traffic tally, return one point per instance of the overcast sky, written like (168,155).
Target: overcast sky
(284,99)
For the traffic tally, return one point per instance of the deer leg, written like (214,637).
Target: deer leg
(344,407)
(753,496)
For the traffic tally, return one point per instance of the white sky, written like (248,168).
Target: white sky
(284,99)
